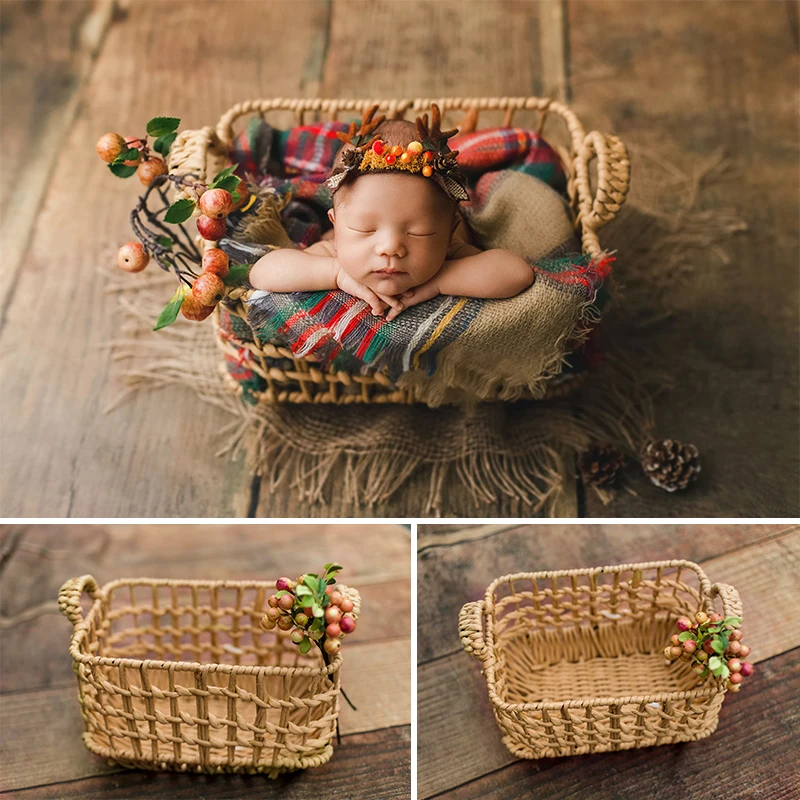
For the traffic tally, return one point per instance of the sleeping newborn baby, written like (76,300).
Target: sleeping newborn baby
(398,236)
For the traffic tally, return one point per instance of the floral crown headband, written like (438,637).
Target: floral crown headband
(428,155)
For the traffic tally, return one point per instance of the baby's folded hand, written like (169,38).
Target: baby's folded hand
(394,303)
(350,285)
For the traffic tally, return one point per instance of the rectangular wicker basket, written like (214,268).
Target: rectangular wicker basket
(179,675)
(595,197)
(574,662)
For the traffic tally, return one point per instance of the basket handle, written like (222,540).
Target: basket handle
(69,597)
(470,630)
(613,181)
(731,602)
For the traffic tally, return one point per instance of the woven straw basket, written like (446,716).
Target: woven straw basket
(595,202)
(179,675)
(574,662)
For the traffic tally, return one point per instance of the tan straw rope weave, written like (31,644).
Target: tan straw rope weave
(574,662)
(180,675)
(289,379)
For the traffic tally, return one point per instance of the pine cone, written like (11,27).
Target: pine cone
(599,464)
(670,464)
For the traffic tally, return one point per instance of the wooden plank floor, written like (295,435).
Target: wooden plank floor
(73,69)
(41,750)
(461,754)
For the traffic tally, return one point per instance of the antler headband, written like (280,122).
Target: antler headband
(429,155)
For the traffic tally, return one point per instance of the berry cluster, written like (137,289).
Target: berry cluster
(313,610)
(713,644)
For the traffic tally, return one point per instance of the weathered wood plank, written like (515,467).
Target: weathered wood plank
(451,575)
(758,731)
(47,50)
(154,455)
(37,560)
(731,342)
(365,766)
(765,574)
(441,49)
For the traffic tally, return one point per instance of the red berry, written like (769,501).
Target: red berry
(701,617)
(273,601)
(377,147)
(333,631)
(267,624)
(283,584)
(208,289)
(297,636)
(716,617)
(698,668)
(328,590)
(347,624)
(216,203)
(744,651)
(686,657)
(286,602)
(216,261)
(733,687)
(389,158)
(668,653)
(309,611)
(747,669)
(689,646)
(244,193)
(734,648)
(346,605)
(735,677)
(675,640)
(336,598)
(301,619)
(132,257)
(332,614)
(109,146)
(332,646)
(286,623)
(708,647)
(130,142)
(735,636)
(683,624)
(194,310)
(734,665)
(273,614)
(211,228)
(150,169)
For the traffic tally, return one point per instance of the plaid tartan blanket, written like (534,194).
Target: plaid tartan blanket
(517,202)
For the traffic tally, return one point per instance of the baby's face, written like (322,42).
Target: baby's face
(392,230)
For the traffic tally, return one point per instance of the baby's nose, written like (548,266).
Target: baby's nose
(390,244)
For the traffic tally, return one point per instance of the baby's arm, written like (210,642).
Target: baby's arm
(487,274)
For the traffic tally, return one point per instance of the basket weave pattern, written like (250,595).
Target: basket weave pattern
(180,675)
(574,662)
(205,151)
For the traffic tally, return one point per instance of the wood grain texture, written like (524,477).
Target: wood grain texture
(452,575)
(679,81)
(759,561)
(367,766)
(753,753)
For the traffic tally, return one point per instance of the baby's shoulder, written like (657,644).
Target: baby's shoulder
(324,247)
(461,241)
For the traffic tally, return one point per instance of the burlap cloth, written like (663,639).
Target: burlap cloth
(526,450)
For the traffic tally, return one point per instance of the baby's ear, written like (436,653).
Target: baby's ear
(331,216)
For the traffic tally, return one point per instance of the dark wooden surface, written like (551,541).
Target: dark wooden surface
(41,751)
(76,68)
(460,749)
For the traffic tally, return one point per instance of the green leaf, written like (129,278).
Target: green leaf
(236,197)
(322,585)
(160,126)
(310,581)
(302,591)
(127,155)
(121,171)
(714,663)
(228,184)
(685,636)
(237,275)
(163,143)
(735,621)
(179,211)
(317,625)
(165,241)
(717,646)
(281,593)
(318,611)
(220,176)
(331,569)
(331,581)
(170,312)
(305,646)
(725,673)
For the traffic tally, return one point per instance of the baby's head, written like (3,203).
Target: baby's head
(391,228)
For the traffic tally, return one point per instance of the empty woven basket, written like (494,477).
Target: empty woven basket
(574,662)
(179,675)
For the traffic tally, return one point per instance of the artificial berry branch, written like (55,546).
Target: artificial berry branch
(315,612)
(713,645)
(198,291)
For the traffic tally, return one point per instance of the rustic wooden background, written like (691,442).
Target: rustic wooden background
(677,80)
(41,752)
(752,753)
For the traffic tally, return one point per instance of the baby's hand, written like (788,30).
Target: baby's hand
(378,303)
